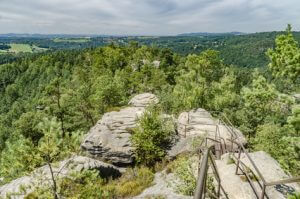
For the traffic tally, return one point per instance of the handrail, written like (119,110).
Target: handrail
(264,182)
(207,155)
(200,191)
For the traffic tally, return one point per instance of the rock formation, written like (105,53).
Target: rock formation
(200,122)
(109,139)
(143,100)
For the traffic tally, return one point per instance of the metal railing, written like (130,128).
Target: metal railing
(263,184)
(201,189)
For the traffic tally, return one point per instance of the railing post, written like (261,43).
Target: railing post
(263,192)
(201,176)
(238,163)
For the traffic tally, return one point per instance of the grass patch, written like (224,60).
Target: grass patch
(17,48)
(22,48)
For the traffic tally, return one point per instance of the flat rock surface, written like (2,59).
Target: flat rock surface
(161,188)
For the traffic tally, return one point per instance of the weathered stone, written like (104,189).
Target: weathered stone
(297,97)
(161,188)
(109,139)
(156,63)
(184,145)
(143,100)
(42,175)
(121,121)
(200,122)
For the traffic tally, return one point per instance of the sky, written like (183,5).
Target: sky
(146,17)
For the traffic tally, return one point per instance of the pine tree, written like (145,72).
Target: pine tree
(285,58)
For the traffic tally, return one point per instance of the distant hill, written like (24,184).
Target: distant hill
(211,34)
(26,35)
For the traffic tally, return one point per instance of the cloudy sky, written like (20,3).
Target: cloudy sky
(147,17)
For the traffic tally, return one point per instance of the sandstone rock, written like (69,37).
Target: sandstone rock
(156,63)
(123,120)
(143,100)
(109,139)
(161,188)
(42,176)
(297,97)
(184,145)
(200,122)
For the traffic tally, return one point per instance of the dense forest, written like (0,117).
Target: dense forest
(243,50)
(67,91)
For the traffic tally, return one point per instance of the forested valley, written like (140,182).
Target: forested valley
(50,100)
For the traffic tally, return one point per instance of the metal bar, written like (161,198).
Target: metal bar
(201,176)
(254,175)
(238,161)
(263,192)
(250,182)
(285,181)
(251,161)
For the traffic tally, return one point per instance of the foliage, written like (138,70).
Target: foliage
(18,158)
(152,137)
(192,86)
(88,184)
(76,87)
(261,102)
(183,169)
(294,119)
(285,58)
(294,196)
(281,143)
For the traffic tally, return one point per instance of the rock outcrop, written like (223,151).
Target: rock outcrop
(42,176)
(200,122)
(109,139)
(143,100)
(161,188)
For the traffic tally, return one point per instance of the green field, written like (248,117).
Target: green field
(22,48)
(75,40)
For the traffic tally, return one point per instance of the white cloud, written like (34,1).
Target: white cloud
(146,16)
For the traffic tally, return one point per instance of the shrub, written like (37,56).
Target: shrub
(152,137)
(133,182)
(183,170)
(89,184)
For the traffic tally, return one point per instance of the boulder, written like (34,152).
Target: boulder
(42,175)
(109,139)
(201,123)
(143,100)
(184,145)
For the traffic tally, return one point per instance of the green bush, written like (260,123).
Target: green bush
(183,170)
(294,196)
(152,137)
